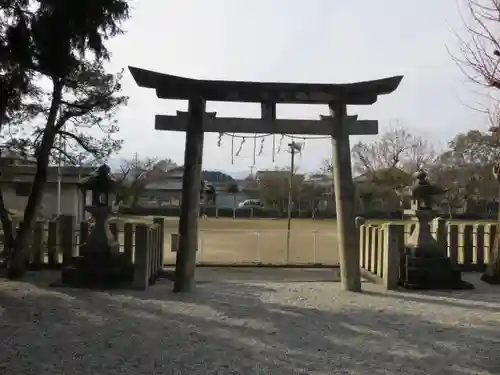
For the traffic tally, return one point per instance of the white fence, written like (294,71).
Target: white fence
(241,247)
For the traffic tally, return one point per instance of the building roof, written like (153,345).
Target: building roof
(17,157)
(168,86)
(164,185)
(371,176)
(26,173)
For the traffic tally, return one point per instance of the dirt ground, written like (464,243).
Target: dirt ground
(253,325)
(246,241)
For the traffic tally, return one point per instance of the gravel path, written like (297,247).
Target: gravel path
(247,327)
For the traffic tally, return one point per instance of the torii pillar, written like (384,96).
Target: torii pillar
(339,126)
(350,274)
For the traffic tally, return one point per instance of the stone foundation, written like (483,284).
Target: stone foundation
(429,272)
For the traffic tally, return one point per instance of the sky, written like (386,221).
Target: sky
(327,41)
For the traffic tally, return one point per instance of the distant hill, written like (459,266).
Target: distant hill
(238,175)
(219,176)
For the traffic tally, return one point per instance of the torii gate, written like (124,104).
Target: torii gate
(196,121)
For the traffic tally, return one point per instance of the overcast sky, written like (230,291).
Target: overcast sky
(330,41)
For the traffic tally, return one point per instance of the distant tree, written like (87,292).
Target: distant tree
(52,76)
(457,181)
(384,158)
(480,48)
(311,194)
(232,188)
(464,168)
(480,62)
(274,186)
(387,164)
(396,148)
(481,148)
(492,274)
(165,165)
(133,175)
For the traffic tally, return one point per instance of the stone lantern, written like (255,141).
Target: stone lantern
(101,185)
(423,263)
(99,259)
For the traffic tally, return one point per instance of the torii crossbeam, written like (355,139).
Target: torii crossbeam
(197,121)
(213,124)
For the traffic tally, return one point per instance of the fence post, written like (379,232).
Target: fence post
(38,248)
(152,253)
(464,244)
(368,246)
(374,255)
(52,252)
(314,233)
(258,246)
(478,245)
(159,245)
(199,248)
(453,242)
(161,222)
(157,261)
(394,235)
(360,221)
(128,242)
(141,265)
(380,253)
(362,246)
(489,235)
(67,238)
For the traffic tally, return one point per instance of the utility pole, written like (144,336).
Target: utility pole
(62,146)
(293,148)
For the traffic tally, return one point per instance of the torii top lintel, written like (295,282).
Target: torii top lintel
(173,87)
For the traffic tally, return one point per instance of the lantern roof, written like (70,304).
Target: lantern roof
(99,180)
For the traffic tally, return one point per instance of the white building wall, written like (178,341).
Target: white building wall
(71,200)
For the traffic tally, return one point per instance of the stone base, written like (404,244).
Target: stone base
(430,272)
(492,280)
(86,272)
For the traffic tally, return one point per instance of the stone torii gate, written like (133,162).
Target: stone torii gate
(196,121)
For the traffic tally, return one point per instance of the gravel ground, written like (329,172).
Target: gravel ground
(247,327)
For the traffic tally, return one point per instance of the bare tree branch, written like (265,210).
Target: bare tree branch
(479,59)
(396,148)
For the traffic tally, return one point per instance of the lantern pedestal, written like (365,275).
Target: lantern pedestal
(423,264)
(100,261)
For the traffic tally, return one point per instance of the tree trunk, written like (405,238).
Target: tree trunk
(17,261)
(8,235)
(4,95)
(492,274)
(8,231)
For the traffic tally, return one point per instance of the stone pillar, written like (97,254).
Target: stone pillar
(190,206)
(348,241)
